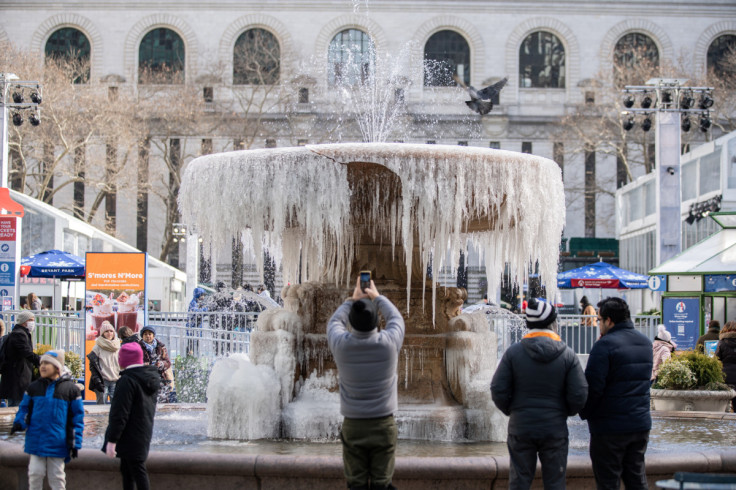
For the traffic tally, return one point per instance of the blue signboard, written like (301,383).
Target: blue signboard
(720,282)
(7,273)
(681,316)
(657,283)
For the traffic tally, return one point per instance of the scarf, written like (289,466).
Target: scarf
(109,345)
(151,348)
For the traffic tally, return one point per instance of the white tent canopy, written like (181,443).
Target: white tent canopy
(714,255)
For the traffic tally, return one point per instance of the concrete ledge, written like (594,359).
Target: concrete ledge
(184,470)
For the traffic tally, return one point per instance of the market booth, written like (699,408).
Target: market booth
(699,284)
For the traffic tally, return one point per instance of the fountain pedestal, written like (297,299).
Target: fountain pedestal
(444,368)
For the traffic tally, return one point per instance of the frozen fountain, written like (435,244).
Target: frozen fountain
(325,212)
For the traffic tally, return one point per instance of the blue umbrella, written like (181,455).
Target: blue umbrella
(53,263)
(601,275)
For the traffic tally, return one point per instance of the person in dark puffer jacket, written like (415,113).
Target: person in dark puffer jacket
(539,383)
(618,414)
(726,353)
(52,414)
(17,370)
(130,424)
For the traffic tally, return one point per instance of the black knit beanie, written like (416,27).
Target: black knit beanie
(540,314)
(363,315)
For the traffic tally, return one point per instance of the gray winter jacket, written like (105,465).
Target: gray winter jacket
(367,361)
(539,383)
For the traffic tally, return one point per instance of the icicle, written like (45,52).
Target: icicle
(296,203)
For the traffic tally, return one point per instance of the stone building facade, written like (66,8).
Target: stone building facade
(551,52)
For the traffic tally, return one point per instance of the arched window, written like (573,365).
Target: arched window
(256,58)
(161,57)
(635,59)
(70,48)
(351,57)
(722,57)
(446,55)
(542,61)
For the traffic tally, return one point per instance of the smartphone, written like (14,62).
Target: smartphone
(365,280)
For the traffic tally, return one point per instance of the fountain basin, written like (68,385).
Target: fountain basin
(183,471)
(204,463)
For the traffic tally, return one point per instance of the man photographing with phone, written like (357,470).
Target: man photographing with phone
(366,363)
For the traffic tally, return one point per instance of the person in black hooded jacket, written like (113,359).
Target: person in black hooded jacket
(130,424)
(539,383)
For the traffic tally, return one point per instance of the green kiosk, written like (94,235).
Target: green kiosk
(699,284)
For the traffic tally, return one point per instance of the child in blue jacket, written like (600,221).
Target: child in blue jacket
(52,414)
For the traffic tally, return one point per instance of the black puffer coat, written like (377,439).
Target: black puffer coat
(130,424)
(726,352)
(539,383)
(20,359)
(618,372)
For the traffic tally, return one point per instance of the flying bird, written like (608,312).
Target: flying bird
(481,101)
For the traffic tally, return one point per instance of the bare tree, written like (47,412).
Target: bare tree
(76,118)
(171,116)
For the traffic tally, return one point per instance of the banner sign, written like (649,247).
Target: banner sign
(681,316)
(8,237)
(719,283)
(594,283)
(115,293)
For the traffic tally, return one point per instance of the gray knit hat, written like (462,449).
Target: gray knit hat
(55,357)
(24,316)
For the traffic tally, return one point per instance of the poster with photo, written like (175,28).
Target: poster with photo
(115,293)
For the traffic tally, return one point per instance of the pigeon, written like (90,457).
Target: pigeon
(481,101)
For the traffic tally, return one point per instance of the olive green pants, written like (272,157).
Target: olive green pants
(369,450)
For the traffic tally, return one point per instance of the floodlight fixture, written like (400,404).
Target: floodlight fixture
(646,124)
(646,101)
(705,123)
(685,125)
(706,101)
(34,119)
(628,123)
(629,101)
(687,101)
(17,119)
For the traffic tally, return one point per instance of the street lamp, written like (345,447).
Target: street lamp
(19,97)
(671,101)
(179,232)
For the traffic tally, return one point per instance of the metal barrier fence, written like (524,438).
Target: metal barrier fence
(59,329)
(581,337)
(575,330)
(206,335)
(210,335)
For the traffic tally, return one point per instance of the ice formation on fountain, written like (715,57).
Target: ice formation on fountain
(296,202)
(255,390)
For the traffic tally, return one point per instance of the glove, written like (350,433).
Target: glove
(111,449)
(74,453)
(16,428)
